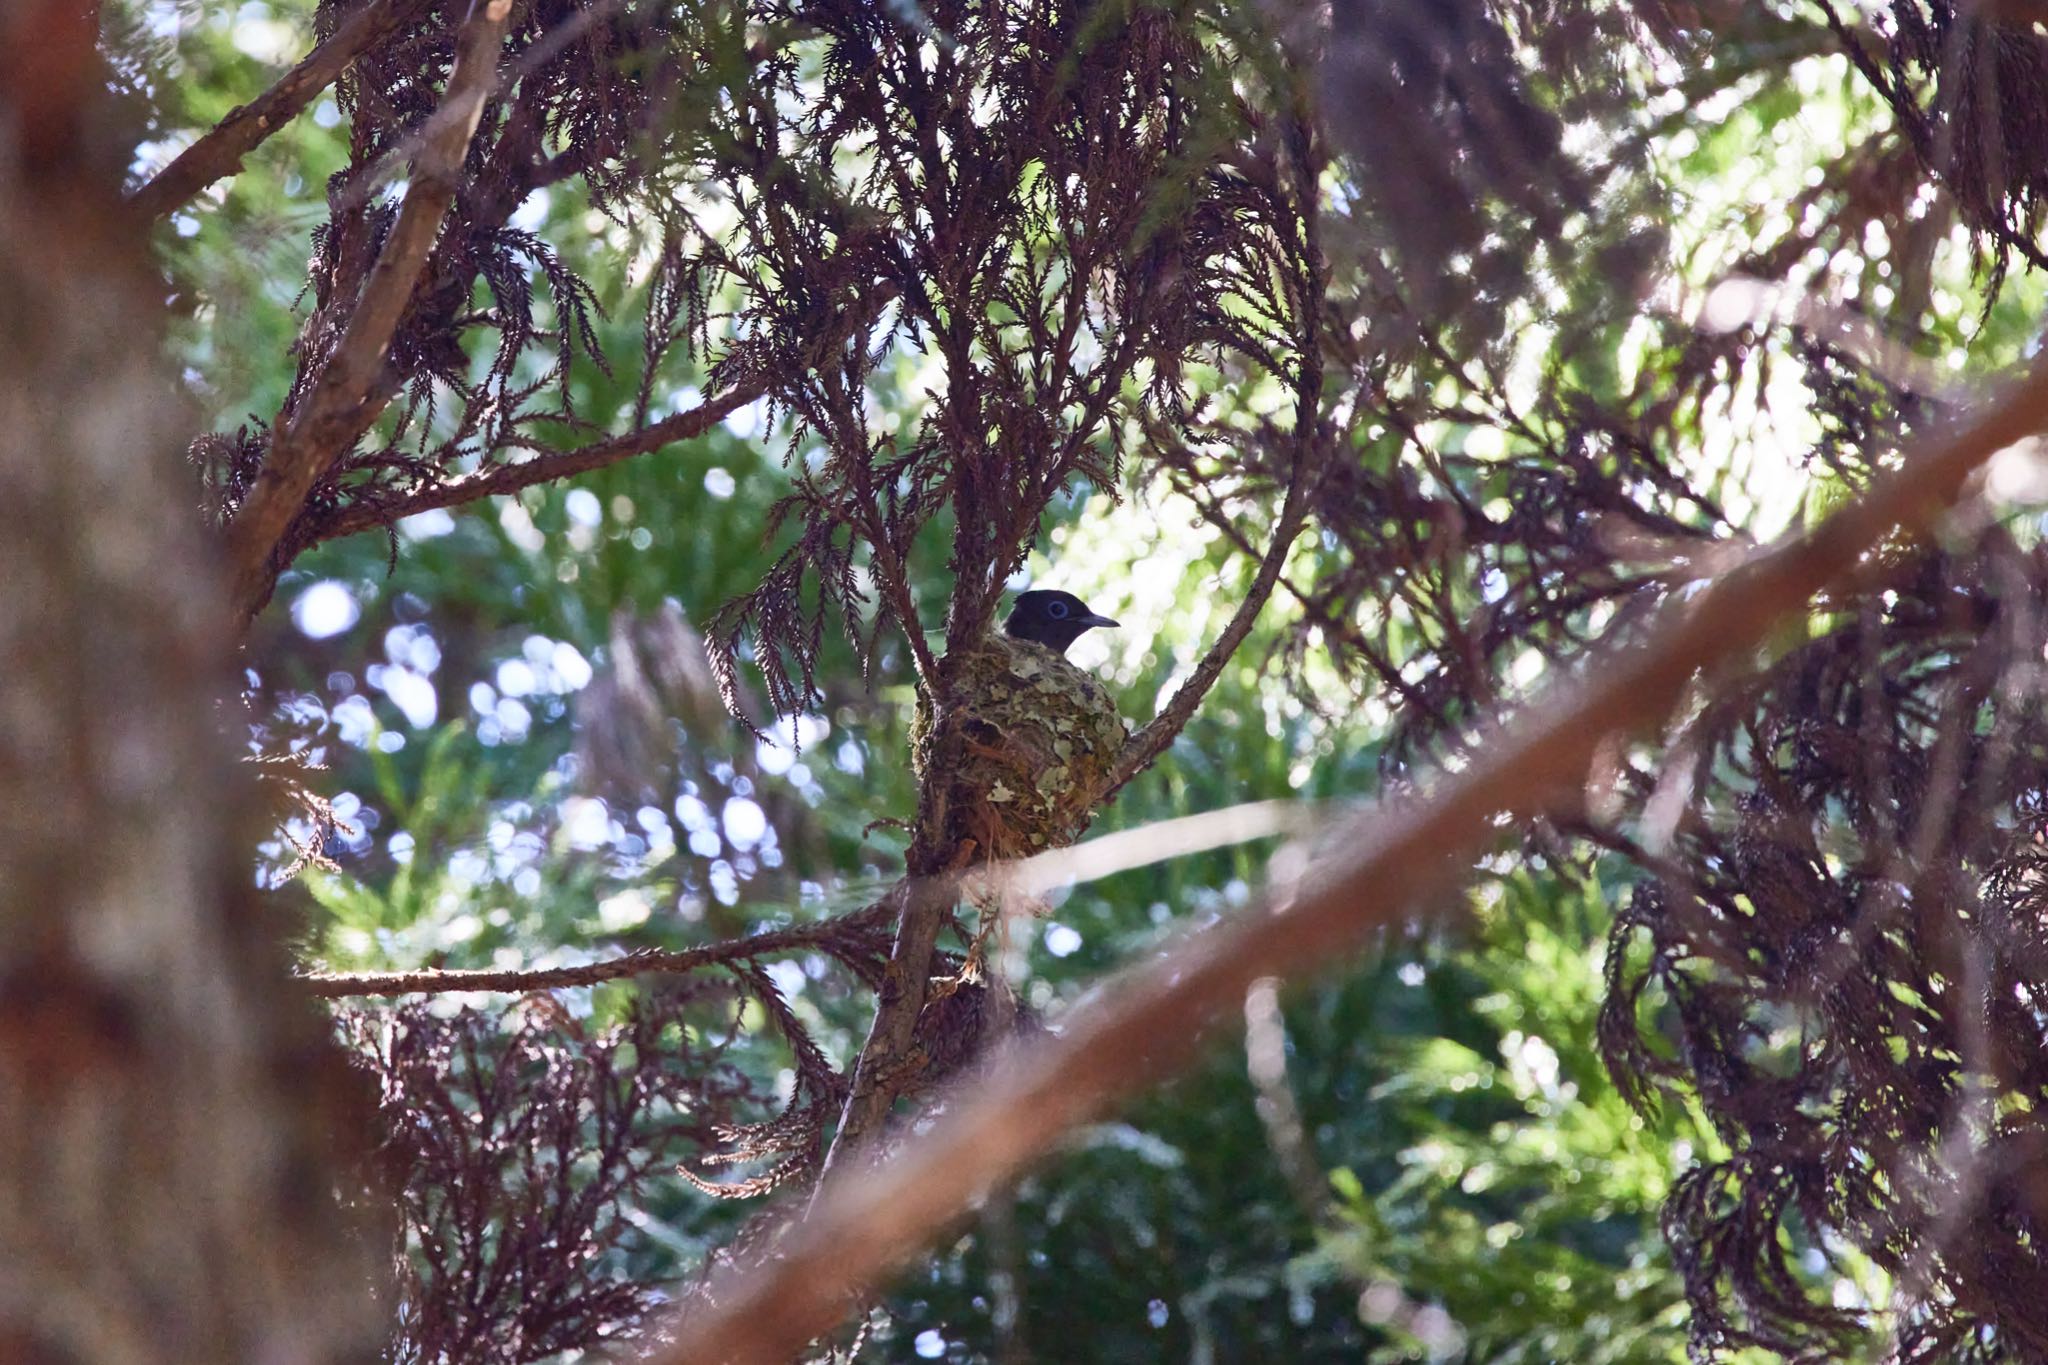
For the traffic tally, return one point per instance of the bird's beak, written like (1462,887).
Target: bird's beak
(1093,620)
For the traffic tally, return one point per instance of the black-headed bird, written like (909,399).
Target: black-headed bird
(1053,619)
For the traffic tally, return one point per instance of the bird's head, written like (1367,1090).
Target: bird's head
(1053,619)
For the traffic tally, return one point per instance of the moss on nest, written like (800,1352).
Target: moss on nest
(1038,738)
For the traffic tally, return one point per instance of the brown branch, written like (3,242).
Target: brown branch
(219,152)
(1311,448)
(1014,882)
(1312,608)
(1148,1024)
(879,1072)
(336,412)
(1152,741)
(647,962)
(365,514)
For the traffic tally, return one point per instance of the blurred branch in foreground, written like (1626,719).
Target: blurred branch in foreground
(1149,1023)
(172,1116)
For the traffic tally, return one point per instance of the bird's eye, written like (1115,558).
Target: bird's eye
(1056,610)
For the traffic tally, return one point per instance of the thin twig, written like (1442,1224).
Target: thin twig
(521,980)
(1313,609)
(1151,741)
(335,414)
(1013,883)
(366,514)
(365,183)
(219,152)
(1310,449)
(1147,1024)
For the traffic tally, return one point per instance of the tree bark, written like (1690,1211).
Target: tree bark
(168,1104)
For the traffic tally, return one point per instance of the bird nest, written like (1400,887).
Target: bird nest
(1037,739)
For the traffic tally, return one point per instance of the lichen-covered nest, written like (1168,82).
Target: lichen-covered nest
(1037,740)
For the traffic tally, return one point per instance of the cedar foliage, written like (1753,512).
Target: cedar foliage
(518,1154)
(1064,207)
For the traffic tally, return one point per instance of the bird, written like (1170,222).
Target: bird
(1052,619)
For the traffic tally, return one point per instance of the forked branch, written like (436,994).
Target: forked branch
(219,153)
(1149,1024)
(337,411)
(825,936)
(367,513)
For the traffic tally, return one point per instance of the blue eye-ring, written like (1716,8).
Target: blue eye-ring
(1056,610)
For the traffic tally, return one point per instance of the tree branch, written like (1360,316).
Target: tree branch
(1315,612)
(879,1072)
(1311,448)
(825,934)
(219,152)
(1148,1024)
(1152,741)
(335,414)
(366,514)
(1014,881)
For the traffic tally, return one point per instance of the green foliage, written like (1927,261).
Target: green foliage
(1491,1197)
(1524,1203)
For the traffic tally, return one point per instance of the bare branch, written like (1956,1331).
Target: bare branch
(1149,1023)
(219,152)
(826,935)
(1152,741)
(335,413)
(1265,1055)
(367,513)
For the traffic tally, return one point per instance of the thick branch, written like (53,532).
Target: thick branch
(175,1126)
(880,1071)
(1148,1024)
(335,413)
(219,153)
(365,514)
(824,935)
